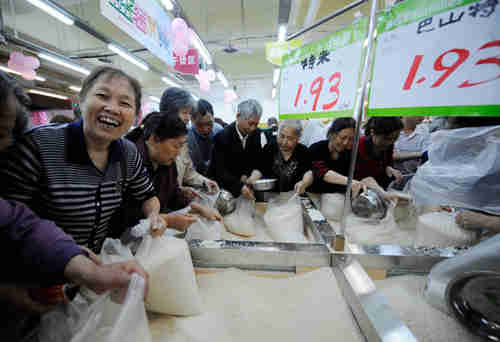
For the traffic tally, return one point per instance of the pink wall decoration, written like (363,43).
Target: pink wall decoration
(211,75)
(25,65)
(187,64)
(181,37)
(229,96)
(203,78)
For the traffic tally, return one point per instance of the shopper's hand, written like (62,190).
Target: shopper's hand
(469,220)
(101,278)
(158,224)
(247,193)
(396,174)
(300,187)
(181,221)
(20,298)
(210,213)
(190,193)
(356,188)
(212,186)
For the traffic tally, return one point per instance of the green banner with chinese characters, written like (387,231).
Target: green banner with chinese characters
(320,80)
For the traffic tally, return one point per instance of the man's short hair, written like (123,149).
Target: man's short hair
(203,108)
(249,108)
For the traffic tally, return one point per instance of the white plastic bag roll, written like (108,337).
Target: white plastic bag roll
(438,229)
(332,206)
(172,284)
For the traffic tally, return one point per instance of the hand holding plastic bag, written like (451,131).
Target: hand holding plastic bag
(80,321)
(129,325)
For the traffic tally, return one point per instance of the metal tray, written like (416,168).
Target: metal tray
(374,317)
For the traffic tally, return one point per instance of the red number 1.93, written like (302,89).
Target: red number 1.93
(316,89)
(461,57)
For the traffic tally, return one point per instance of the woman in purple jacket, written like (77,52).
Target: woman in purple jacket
(36,251)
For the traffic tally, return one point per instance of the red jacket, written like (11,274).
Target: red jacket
(367,165)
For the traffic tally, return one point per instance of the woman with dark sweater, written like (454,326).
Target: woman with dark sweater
(160,140)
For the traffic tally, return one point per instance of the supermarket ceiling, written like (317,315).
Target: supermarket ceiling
(239,26)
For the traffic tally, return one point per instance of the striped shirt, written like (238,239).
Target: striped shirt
(50,171)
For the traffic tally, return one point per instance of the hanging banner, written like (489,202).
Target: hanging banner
(437,57)
(144,20)
(276,50)
(187,64)
(320,80)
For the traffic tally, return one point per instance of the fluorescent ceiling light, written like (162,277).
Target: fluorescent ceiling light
(44,93)
(168,5)
(282,33)
(128,56)
(170,82)
(198,44)
(52,11)
(75,88)
(221,78)
(3,68)
(62,62)
(276,76)
(273,93)
(155,99)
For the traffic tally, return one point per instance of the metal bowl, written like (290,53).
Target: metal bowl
(225,202)
(264,184)
(369,204)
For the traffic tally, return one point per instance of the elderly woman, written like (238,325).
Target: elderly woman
(77,174)
(287,160)
(179,100)
(331,159)
(160,139)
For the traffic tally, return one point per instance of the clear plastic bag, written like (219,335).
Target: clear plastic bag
(204,229)
(332,206)
(241,220)
(93,318)
(284,220)
(463,170)
(82,321)
(375,232)
(172,283)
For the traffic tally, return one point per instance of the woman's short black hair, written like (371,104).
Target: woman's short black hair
(176,99)
(383,125)
(9,85)
(340,124)
(162,125)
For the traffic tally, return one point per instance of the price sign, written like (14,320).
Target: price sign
(437,58)
(320,80)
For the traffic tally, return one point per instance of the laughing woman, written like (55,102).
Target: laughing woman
(77,174)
